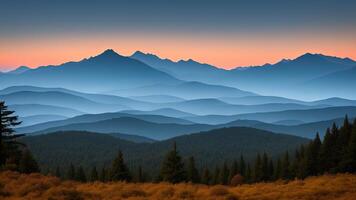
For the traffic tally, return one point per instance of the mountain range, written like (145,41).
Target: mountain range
(158,98)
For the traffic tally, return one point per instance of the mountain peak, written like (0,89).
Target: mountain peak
(19,70)
(138,53)
(106,55)
(109,52)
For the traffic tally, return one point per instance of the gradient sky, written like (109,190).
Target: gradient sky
(223,33)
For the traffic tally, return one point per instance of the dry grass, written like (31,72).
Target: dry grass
(36,186)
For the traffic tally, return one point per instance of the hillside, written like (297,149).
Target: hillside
(90,149)
(306,116)
(327,187)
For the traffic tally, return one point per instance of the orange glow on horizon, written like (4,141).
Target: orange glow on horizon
(229,52)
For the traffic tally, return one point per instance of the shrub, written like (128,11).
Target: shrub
(237,180)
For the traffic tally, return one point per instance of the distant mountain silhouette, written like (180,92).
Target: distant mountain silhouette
(98,98)
(186,90)
(340,83)
(19,70)
(188,70)
(107,71)
(132,126)
(60,99)
(309,115)
(37,119)
(217,107)
(255,100)
(25,110)
(169,112)
(89,118)
(157,98)
(287,74)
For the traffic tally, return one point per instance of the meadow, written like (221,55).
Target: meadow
(14,185)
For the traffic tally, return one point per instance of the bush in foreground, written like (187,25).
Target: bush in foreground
(14,185)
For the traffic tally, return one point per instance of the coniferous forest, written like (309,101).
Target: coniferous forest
(335,153)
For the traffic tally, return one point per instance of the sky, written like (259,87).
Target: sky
(224,33)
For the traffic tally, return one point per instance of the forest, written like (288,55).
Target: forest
(335,153)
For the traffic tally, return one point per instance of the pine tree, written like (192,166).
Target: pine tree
(248,176)
(80,175)
(206,177)
(350,156)
(71,174)
(258,172)
(192,172)
(301,171)
(270,170)
(224,175)
(27,163)
(313,157)
(242,166)
(58,172)
(140,177)
(233,170)
(94,175)
(9,151)
(343,144)
(103,175)
(326,151)
(264,168)
(216,176)
(278,171)
(119,170)
(285,170)
(334,155)
(172,169)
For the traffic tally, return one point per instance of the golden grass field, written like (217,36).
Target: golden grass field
(35,186)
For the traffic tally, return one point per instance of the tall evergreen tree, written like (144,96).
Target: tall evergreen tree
(140,176)
(192,172)
(334,155)
(350,156)
(216,176)
(248,176)
(285,170)
(343,144)
(27,163)
(80,175)
(270,170)
(224,174)
(206,177)
(326,151)
(94,175)
(71,174)
(258,172)
(103,177)
(119,170)
(58,172)
(278,171)
(264,168)
(9,151)
(313,157)
(172,169)
(242,165)
(233,170)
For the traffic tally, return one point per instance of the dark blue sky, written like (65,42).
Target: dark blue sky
(212,20)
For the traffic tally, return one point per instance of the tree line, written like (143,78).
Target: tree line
(336,153)
(13,154)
